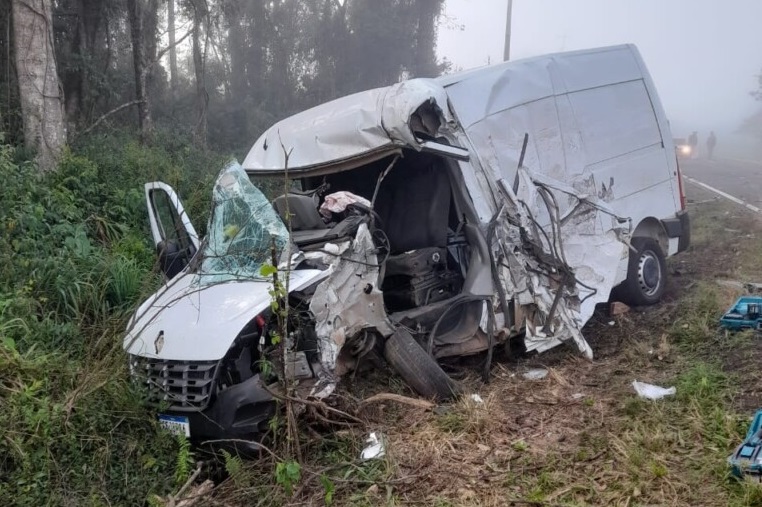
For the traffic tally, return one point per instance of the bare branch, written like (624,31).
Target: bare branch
(164,51)
(112,112)
(425,404)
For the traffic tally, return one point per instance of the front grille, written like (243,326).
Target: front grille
(186,385)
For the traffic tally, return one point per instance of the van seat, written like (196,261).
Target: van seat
(303,211)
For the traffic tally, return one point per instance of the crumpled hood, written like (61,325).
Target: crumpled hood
(200,322)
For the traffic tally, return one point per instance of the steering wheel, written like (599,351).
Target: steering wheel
(357,208)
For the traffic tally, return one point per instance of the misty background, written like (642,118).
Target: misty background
(702,54)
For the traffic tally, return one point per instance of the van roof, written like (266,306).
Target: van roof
(355,129)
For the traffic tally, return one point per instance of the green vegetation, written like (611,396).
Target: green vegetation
(74,261)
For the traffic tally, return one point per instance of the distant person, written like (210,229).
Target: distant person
(693,143)
(711,142)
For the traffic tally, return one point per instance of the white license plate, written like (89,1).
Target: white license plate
(175,424)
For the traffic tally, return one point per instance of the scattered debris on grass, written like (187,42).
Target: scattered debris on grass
(375,447)
(536,374)
(652,392)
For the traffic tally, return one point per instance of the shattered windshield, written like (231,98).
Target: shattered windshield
(243,229)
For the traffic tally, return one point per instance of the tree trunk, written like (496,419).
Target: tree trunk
(199,62)
(82,44)
(425,58)
(172,48)
(237,51)
(39,90)
(138,33)
(257,31)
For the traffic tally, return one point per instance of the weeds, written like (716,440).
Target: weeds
(74,261)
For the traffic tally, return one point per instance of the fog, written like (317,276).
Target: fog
(704,55)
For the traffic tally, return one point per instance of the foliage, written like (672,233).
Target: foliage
(184,461)
(287,474)
(74,263)
(258,61)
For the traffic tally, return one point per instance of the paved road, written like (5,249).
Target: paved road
(741,179)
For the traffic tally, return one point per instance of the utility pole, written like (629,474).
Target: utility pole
(507,48)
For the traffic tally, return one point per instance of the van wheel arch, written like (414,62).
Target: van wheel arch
(652,228)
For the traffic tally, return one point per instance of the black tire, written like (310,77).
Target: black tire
(417,368)
(646,274)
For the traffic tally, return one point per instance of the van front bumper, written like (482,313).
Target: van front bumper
(241,412)
(679,227)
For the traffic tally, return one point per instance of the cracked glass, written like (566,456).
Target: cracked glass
(243,230)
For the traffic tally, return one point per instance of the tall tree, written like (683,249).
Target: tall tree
(142,16)
(237,44)
(172,48)
(424,62)
(200,15)
(41,96)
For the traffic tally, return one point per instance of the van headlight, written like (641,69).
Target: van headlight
(685,149)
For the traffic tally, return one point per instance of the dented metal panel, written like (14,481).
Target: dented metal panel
(556,274)
(347,302)
(353,127)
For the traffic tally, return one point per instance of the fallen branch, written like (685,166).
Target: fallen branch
(180,499)
(314,403)
(201,490)
(188,482)
(113,111)
(424,404)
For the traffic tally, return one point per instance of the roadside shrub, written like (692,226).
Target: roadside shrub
(76,436)
(75,261)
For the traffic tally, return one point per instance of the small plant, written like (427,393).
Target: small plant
(184,462)
(287,474)
(659,470)
(520,446)
(235,469)
(329,488)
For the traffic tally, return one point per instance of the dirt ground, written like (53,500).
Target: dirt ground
(579,436)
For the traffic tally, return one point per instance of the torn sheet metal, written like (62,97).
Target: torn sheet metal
(416,106)
(381,121)
(557,267)
(347,302)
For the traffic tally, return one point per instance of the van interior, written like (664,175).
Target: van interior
(431,254)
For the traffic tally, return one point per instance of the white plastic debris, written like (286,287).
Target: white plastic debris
(536,374)
(374,449)
(577,396)
(652,392)
(476,398)
(338,202)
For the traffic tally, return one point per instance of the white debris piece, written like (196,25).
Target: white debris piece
(375,447)
(536,374)
(337,202)
(476,398)
(652,392)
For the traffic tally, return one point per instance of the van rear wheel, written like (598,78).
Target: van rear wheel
(646,274)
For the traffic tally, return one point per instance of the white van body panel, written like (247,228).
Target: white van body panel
(594,121)
(199,323)
(373,121)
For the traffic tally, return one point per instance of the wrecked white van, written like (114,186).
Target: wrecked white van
(435,218)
